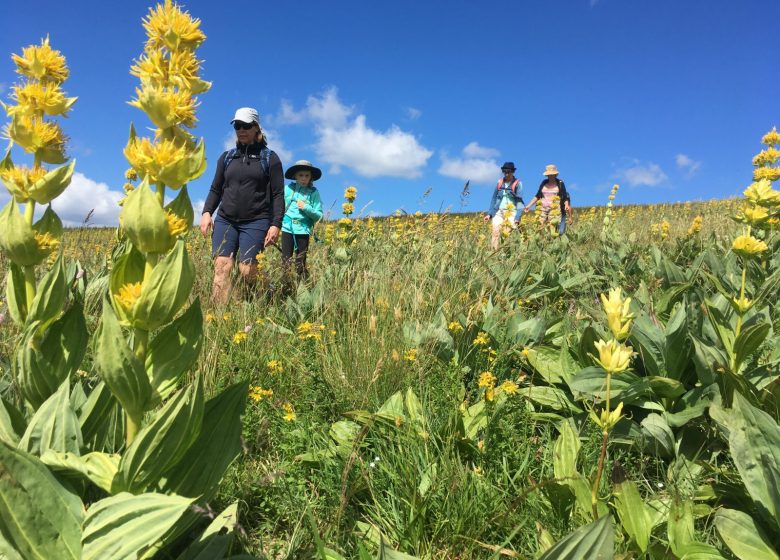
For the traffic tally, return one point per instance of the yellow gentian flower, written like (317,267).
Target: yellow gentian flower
(613,356)
(618,315)
(748,246)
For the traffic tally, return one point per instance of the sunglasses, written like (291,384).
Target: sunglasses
(238,125)
(507,170)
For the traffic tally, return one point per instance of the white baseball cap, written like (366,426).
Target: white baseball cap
(247,115)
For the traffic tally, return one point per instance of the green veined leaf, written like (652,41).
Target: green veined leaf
(124,526)
(163,442)
(38,516)
(54,426)
(595,541)
(633,513)
(741,534)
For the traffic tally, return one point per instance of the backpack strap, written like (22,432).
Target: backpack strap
(265,158)
(513,186)
(229,156)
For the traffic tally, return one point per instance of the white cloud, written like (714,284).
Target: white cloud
(345,140)
(474,150)
(82,196)
(642,174)
(478,164)
(288,115)
(685,163)
(276,144)
(413,113)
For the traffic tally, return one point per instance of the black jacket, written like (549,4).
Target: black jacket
(246,193)
(563,194)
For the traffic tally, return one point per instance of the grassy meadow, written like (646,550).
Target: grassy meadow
(412,397)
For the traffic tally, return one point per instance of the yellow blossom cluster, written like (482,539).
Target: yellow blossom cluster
(310,331)
(257,393)
(289,412)
(274,367)
(695,225)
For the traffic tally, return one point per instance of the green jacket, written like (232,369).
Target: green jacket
(296,220)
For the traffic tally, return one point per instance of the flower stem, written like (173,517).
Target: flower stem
(161,193)
(595,489)
(602,456)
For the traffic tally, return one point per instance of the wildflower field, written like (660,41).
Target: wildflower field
(609,393)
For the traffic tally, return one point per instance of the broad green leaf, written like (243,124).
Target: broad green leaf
(124,526)
(594,541)
(565,451)
(219,440)
(38,516)
(550,397)
(666,387)
(710,361)
(749,340)
(95,412)
(15,293)
(633,513)
(215,541)
(524,332)
(54,426)
(120,368)
(547,362)
(700,551)
(592,381)
(174,350)
(165,291)
(393,407)
(163,442)
(49,297)
(754,443)
(17,238)
(415,409)
(678,346)
(649,342)
(741,534)
(679,527)
(692,405)
(8,425)
(661,436)
(100,468)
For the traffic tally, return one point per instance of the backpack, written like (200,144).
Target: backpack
(264,157)
(513,186)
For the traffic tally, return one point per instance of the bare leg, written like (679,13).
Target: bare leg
(221,288)
(496,237)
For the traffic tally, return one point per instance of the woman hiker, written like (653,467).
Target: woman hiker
(549,188)
(248,188)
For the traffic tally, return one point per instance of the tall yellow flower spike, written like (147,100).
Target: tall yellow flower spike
(618,315)
(42,63)
(168,26)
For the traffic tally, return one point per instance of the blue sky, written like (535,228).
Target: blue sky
(668,98)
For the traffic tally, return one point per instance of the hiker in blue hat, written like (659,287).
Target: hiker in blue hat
(507,196)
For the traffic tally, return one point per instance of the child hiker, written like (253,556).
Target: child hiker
(303,209)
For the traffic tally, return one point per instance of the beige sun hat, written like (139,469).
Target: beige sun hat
(303,165)
(550,170)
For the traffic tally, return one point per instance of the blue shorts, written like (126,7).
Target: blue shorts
(239,240)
